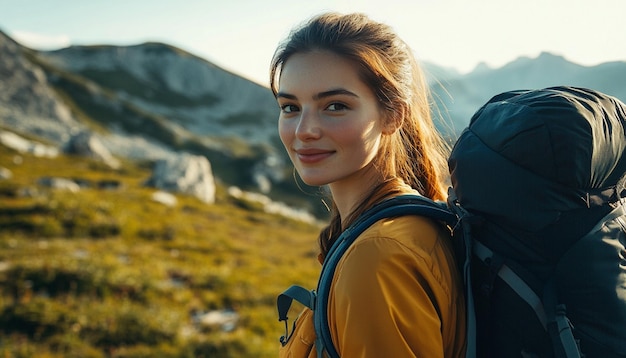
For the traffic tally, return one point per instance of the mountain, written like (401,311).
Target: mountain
(459,96)
(28,102)
(192,93)
(152,101)
(145,102)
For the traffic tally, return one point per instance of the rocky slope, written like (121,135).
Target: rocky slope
(189,91)
(153,101)
(144,102)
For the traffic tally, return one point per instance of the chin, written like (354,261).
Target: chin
(313,181)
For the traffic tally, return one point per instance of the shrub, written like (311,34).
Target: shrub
(71,346)
(38,318)
(121,324)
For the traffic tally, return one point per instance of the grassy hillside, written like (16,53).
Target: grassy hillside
(112,273)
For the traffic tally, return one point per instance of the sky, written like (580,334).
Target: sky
(241,35)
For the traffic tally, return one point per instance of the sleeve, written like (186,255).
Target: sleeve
(384,303)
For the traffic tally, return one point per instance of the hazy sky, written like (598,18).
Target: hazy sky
(241,35)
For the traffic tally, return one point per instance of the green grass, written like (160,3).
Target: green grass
(111,273)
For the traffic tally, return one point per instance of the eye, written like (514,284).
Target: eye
(288,108)
(334,107)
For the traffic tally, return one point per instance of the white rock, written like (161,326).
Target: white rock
(88,145)
(22,145)
(5,173)
(60,183)
(188,174)
(164,198)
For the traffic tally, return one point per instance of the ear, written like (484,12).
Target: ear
(393,121)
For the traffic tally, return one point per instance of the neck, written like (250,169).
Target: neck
(348,194)
(349,198)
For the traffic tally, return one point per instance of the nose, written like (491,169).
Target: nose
(308,126)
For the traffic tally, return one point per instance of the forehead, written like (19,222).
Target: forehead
(319,71)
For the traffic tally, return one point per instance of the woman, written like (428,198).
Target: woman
(355,117)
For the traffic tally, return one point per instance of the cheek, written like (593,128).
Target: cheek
(362,141)
(285,132)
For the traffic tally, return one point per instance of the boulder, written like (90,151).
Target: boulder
(225,319)
(59,183)
(86,144)
(272,207)
(164,198)
(5,173)
(187,174)
(23,145)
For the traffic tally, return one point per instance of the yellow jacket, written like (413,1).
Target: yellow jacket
(396,293)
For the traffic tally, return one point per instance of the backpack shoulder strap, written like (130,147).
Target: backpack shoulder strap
(284,301)
(398,206)
(464,247)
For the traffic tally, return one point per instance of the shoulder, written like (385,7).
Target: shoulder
(418,234)
(405,243)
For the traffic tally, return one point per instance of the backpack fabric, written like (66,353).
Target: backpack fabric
(538,225)
(543,172)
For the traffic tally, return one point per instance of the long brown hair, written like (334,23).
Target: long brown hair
(414,154)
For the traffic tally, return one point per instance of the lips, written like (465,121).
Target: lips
(312,155)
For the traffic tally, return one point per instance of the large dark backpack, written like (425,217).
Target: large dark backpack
(538,224)
(542,172)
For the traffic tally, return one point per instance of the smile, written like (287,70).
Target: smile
(311,156)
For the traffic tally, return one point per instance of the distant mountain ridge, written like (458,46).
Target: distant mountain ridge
(153,100)
(459,96)
(186,89)
(145,102)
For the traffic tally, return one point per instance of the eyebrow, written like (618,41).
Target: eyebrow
(321,95)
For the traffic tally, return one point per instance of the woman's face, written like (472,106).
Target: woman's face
(330,121)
